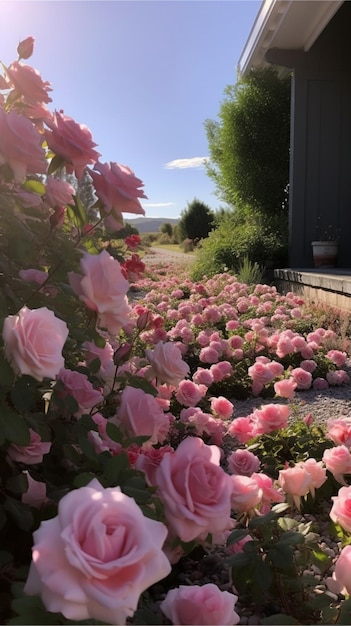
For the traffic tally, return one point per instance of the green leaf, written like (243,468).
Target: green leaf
(114,432)
(31,610)
(6,373)
(34,186)
(113,467)
(55,164)
(17,484)
(291,538)
(287,523)
(141,383)
(95,365)
(19,513)
(345,612)
(77,212)
(281,556)
(236,535)
(13,426)
(24,393)
(319,602)
(136,488)
(83,479)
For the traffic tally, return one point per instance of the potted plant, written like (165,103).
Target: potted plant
(325,248)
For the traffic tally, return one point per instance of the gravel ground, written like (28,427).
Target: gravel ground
(155,256)
(330,403)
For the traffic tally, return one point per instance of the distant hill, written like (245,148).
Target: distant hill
(150,224)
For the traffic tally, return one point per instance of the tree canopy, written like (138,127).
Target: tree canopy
(249,144)
(196,221)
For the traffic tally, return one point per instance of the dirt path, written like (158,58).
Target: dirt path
(155,256)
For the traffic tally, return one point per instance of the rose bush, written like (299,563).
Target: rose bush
(124,456)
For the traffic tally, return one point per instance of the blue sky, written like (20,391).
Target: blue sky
(143,76)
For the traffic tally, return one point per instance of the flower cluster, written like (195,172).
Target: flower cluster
(122,451)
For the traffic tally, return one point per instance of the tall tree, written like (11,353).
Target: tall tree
(196,221)
(249,144)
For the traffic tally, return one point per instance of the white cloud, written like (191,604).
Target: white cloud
(158,204)
(183,164)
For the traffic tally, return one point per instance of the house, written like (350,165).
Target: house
(311,40)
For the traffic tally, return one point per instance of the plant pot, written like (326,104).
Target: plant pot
(325,253)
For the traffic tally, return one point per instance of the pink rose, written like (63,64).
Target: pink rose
(340,512)
(341,579)
(338,377)
(167,365)
(33,275)
(203,377)
(139,414)
(338,461)
(208,355)
(195,490)
(295,481)
(337,357)
(79,387)
(58,192)
(221,370)
(320,383)
(261,373)
(97,556)
(197,605)
(339,431)
(72,142)
(35,495)
(302,378)
(243,462)
(33,342)
(189,393)
(316,471)
(242,428)
(20,146)
(149,460)
(118,189)
(103,289)
(268,489)
(270,417)
(222,407)
(285,388)
(31,454)
(25,48)
(28,83)
(246,494)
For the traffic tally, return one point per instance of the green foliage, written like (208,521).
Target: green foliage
(249,145)
(249,273)
(167,229)
(240,236)
(196,221)
(271,569)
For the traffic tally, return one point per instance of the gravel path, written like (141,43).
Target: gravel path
(155,256)
(329,403)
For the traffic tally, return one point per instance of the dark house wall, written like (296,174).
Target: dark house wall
(320,164)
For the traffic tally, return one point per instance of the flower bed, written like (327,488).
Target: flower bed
(131,489)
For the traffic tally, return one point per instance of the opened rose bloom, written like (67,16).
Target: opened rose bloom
(118,189)
(200,606)
(195,489)
(72,142)
(103,289)
(340,512)
(20,146)
(167,364)
(33,342)
(97,556)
